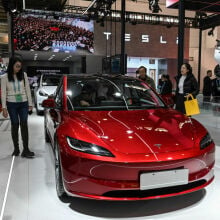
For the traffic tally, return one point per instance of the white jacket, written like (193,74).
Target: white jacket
(10,89)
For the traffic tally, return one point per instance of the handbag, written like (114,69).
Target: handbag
(191,106)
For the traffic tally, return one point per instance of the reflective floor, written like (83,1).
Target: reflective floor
(31,193)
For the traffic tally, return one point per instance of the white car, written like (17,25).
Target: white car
(46,87)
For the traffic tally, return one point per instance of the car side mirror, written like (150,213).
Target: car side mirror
(49,103)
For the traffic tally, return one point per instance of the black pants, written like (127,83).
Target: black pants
(179,99)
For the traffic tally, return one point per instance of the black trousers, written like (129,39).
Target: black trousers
(179,99)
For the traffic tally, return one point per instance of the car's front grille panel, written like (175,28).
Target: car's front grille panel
(153,192)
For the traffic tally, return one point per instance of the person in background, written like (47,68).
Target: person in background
(143,76)
(166,85)
(166,90)
(187,85)
(85,99)
(160,82)
(17,102)
(207,87)
(216,86)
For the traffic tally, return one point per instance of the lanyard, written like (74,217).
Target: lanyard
(14,85)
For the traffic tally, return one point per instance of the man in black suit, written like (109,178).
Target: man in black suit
(207,88)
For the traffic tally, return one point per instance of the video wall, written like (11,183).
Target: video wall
(40,32)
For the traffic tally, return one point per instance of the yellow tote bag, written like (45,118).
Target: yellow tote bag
(192,106)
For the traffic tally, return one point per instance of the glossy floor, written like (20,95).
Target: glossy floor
(31,194)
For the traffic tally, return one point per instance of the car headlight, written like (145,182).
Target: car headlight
(42,93)
(88,147)
(206,141)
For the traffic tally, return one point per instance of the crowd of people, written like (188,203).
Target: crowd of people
(186,85)
(37,34)
(211,87)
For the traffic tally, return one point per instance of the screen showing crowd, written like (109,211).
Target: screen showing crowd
(36,32)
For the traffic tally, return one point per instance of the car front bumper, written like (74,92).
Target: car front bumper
(121,181)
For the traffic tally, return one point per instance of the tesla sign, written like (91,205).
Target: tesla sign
(144,38)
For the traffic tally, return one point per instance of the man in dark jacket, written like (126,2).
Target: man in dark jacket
(143,76)
(207,87)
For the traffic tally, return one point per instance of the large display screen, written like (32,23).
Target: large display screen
(169,3)
(51,32)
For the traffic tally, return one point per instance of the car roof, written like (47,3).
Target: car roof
(52,75)
(101,76)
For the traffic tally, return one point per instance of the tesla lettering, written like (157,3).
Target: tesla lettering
(145,38)
(162,41)
(127,37)
(107,34)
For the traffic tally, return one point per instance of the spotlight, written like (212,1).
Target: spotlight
(153,6)
(211,32)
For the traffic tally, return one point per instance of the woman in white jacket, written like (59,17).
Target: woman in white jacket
(16,101)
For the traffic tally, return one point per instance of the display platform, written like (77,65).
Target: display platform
(32,195)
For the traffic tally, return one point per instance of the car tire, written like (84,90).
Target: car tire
(58,176)
(46,135)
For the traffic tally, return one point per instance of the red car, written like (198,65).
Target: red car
(115,139)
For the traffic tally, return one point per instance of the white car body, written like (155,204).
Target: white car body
(44,90)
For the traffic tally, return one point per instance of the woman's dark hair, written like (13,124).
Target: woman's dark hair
(166,76)
(10,70)
(188,67)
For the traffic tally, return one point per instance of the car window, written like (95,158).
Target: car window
(59,96)
(49,80)
(110,94)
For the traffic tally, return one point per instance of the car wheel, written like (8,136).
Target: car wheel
(58,175)
(46,135)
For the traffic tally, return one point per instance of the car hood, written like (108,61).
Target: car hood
(48,89)
(138,131)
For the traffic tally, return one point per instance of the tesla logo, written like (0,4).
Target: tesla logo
(158,145)
(145,38)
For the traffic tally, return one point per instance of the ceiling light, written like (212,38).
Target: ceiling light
(211,32)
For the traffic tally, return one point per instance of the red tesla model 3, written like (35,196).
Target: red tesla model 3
(115,139)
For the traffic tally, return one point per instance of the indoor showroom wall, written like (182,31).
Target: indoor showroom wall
(207,52)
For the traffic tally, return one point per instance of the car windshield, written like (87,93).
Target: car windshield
(110,94)
(48,80)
